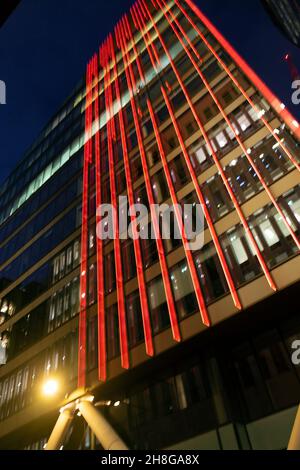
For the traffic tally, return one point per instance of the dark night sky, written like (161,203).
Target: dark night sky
(45,45)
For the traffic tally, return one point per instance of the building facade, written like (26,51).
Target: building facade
(192,349)
(286,16)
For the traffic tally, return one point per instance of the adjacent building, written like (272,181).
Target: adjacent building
(6,10)
(286,16)
(193,349)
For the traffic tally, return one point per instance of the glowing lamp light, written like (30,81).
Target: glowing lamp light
(50,387)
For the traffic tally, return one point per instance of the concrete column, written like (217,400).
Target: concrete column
(104,432)
(294,443)
(61,428)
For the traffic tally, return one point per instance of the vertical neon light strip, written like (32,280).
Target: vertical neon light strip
(117,244)
(217,163)
(84,232)
(102,372)
(154,216)
(136,239)
(265,91)
(225,116)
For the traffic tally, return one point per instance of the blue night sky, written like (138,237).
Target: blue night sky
(45,44)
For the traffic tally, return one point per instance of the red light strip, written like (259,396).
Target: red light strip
(154,216)
(117,245)
(136,240)
(102,372)
(84,232)
(217,163)
(138,61)
(265,91)
(193,271)
(225,116)
(137,24)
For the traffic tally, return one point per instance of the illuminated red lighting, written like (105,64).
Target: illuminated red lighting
(84,231)
(216,161)
(136,241)
(134,74)
(102,372)
(265,91)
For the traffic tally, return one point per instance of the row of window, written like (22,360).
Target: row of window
(47,242)
(54,209)
(50,189)
(267,226)
(247,381)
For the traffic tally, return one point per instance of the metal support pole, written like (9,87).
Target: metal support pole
(294,443)
(61,428)
(104,432)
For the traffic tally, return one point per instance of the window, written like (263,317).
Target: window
(210,272)
(134,319)
(208,113)
(92,284)
(217,198)
(128,260)
(244,122)
(158,305)
(239,253)
(160,187)
(227,97)
(221,140)
(109,272)
(92,343)
(190,129)
(179,172)
(183,291)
